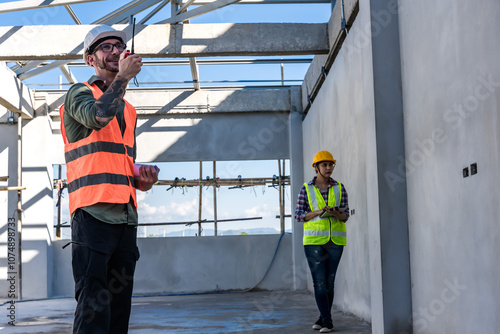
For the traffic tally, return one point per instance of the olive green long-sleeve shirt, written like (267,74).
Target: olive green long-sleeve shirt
(79,122)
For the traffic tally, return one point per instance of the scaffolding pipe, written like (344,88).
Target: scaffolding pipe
(235,183)
(59,206)
(215,203)
(280,186)
(191,222)
(282,75)
(198,222)
(283,197)
(12,188)
(201,192)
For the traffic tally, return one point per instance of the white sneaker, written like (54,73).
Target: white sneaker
(328,328)
(318,324)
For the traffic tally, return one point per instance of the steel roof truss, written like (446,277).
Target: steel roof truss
(73,14)
(154,11)
(198,11)
(27,66)
(14,6)
(67,73)
(43,69)
(123,13)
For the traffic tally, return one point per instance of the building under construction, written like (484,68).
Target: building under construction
(405,94)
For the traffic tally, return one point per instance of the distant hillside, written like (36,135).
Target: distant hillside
(210,232)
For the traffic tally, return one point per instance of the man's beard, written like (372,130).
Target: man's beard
(104,65)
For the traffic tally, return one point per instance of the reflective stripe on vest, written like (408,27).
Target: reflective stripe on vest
(318,231)
(325,233)
(100,167)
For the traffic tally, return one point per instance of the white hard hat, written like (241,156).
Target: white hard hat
(99,33)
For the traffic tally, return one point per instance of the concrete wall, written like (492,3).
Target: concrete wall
(197,264)
(341,121)
(451,89)
(450,81)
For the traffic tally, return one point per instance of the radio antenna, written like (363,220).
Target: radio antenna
(136,83)
(133,35)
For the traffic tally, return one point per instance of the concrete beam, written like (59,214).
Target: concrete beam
(203,101)
(258,2)
(14,95)
(159,41)
(209,137)
(161,102)
(247,124)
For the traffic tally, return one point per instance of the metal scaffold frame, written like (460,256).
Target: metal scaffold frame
(16,188)
(280,181)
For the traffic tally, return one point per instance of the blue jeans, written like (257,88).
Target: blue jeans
(323,262)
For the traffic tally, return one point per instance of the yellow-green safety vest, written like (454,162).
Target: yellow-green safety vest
(318,231)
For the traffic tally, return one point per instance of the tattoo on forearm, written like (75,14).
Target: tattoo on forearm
(107,105)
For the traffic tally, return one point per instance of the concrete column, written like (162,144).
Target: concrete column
(296,180)
(391,286)
(38,208)
(8,199)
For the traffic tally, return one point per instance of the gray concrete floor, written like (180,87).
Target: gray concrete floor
(247,312)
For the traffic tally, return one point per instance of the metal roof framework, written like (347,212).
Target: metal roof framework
(181,12)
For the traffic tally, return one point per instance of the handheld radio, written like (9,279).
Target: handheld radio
(131,52)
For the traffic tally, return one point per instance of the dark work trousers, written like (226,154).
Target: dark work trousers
(104,257)
(323,262)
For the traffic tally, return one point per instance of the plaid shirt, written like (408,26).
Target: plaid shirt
(303,203)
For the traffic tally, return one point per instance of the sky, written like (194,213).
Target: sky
(181,205)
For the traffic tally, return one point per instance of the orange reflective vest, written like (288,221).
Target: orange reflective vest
(100,167)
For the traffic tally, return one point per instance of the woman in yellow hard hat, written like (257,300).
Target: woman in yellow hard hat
(323,208)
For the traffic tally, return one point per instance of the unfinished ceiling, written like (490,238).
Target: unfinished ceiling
(236,43)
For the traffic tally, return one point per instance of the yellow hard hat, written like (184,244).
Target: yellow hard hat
(323,156)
